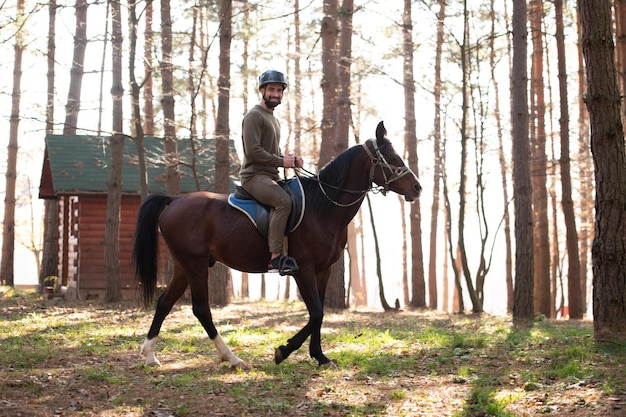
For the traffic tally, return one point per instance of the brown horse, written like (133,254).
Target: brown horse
(201,228)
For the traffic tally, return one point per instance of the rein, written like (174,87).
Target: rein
(376,159)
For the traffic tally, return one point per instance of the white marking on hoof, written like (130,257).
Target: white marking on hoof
(147,350)
(227,356)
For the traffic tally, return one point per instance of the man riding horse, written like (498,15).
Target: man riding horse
(262,158)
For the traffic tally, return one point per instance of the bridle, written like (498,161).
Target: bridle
(376,159)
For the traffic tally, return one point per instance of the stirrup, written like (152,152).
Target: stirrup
(284,265)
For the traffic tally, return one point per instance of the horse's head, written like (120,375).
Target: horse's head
(389,170)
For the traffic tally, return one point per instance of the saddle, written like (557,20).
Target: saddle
(259,214)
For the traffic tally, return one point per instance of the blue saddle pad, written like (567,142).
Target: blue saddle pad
(259,214)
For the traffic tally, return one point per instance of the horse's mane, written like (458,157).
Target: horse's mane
(334,174)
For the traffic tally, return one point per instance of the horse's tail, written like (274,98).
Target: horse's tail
(146,247)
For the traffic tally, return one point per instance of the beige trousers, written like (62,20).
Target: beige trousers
(268,192)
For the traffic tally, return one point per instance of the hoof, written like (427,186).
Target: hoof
(328,365)
(240,365)
(153,362)
(324,362)
(278,355)
(147,350)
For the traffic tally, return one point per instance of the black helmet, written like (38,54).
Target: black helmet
(272,76)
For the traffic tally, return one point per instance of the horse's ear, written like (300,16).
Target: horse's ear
(381,132)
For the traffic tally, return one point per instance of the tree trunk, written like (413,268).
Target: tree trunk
(335,292)
(296,85)
(418,286)
(192,85)
(337,285)
(620,48)
(434,211)
(135,90)
(539,167)
(356,288)
(607,147)
(446,279)
(379,274)
(50,250)
(148,94)
(72,107)
(50,255)
(329,81)
(586,207)
(103,63)
(51,54)
(522,189)
(477,306)
(503,165)
(576,309)
(245,38)
(114,194)
(8,230)
(50,261)
(220,280)
(406,299)
(458,304)
(344,59)
(172,175)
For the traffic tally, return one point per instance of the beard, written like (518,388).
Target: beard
(270,103)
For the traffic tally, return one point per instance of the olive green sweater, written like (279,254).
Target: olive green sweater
(261,141)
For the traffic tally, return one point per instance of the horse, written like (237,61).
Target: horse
(200,229)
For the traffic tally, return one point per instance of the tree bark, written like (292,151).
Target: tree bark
(8,229)
(148,94)
(329,81)
(72,107)
(477,306)
(220,282)
(418,285)
(135,91)
(508,261)
(620,48)
(585,162)
(607,147)
(245,286)
(539,167)
(114,194)
(522,188)
(172,175)
(576,309)
(379,274)
(434,211)
(342,126)
(50,250)
(335,291)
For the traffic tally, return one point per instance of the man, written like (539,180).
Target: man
(262,158)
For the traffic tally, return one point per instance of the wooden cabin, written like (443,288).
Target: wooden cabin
(75,173)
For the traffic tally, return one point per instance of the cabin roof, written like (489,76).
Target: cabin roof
(76,164)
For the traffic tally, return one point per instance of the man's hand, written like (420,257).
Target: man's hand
(291,161)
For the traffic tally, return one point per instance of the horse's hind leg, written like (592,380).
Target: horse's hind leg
(198,281)
(166,301)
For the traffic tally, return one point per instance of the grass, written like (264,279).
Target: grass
(81,359)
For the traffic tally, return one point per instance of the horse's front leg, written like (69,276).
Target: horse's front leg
(166,301)
(315,344)
(314,300)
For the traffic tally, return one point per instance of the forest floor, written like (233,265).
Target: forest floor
(61,358)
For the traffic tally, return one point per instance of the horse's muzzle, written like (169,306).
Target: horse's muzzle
(416,191)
